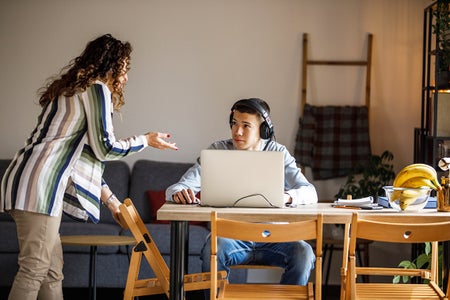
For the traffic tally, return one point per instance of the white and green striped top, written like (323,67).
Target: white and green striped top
(61,165)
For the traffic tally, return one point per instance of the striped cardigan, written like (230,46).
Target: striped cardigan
(61,165)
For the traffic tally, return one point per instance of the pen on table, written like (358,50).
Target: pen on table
(346,206)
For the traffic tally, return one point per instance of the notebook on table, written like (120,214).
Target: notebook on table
(240,178)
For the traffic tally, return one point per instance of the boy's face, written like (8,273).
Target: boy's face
(245,131)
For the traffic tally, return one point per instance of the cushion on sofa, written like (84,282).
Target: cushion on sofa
(156,200)
(117,176)
(4,163)
(152,175)
(8,236)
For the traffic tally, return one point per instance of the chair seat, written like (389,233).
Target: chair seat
(396,291)
(272,292)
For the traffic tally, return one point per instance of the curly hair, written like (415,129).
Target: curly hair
(102,57)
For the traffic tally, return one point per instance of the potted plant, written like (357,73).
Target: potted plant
(422,261)
(441,29)
(368,179)
(364,180)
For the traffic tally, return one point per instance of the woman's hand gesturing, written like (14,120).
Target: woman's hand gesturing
(158,140)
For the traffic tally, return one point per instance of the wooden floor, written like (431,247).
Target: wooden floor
(331,293)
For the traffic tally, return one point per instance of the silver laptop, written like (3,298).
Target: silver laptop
(240,178)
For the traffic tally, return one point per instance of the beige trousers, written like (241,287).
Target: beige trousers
(40,257)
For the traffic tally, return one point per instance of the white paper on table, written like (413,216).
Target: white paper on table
(354,202)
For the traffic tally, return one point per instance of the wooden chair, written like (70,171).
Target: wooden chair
(146,247)
(393,231)
(269,233)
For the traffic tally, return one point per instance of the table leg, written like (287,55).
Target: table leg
(179,235)
(92,273)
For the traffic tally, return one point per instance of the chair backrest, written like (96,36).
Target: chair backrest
(400,230)
(145,243)
(310,229)
(407,231)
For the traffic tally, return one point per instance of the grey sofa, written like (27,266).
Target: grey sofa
(112,262)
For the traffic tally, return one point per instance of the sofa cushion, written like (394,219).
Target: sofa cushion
(152,175)
(4,163)
(117,176)
(8,237)
(156,200)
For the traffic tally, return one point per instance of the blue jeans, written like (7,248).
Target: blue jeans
(296,258)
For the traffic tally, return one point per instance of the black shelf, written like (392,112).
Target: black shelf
(428,141)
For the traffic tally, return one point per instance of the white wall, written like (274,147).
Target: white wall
(193,59)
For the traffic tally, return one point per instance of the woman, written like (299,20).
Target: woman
(60,168)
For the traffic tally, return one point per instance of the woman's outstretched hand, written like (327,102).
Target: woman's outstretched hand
(158,140)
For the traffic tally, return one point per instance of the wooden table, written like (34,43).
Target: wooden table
(93,241)
(179,215)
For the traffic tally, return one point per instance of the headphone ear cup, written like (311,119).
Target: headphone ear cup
(264,131)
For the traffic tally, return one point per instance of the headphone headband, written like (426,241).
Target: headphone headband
(266,128)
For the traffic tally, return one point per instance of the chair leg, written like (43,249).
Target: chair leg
(133,272)
(324,255)
(129,254)
(362,252)
(327,250)
(330,256)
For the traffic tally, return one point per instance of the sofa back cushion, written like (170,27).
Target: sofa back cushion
(152,175)
(4,163)
(117,176)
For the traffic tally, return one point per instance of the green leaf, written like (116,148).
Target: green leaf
(422,260)
(406,278)
(406,264)
(427,248)
(396,279)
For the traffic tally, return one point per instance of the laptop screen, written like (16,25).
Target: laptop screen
(240,178)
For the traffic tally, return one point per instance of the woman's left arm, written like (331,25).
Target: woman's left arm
(109,199)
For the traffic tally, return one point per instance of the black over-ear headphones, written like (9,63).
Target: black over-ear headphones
(266,128)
